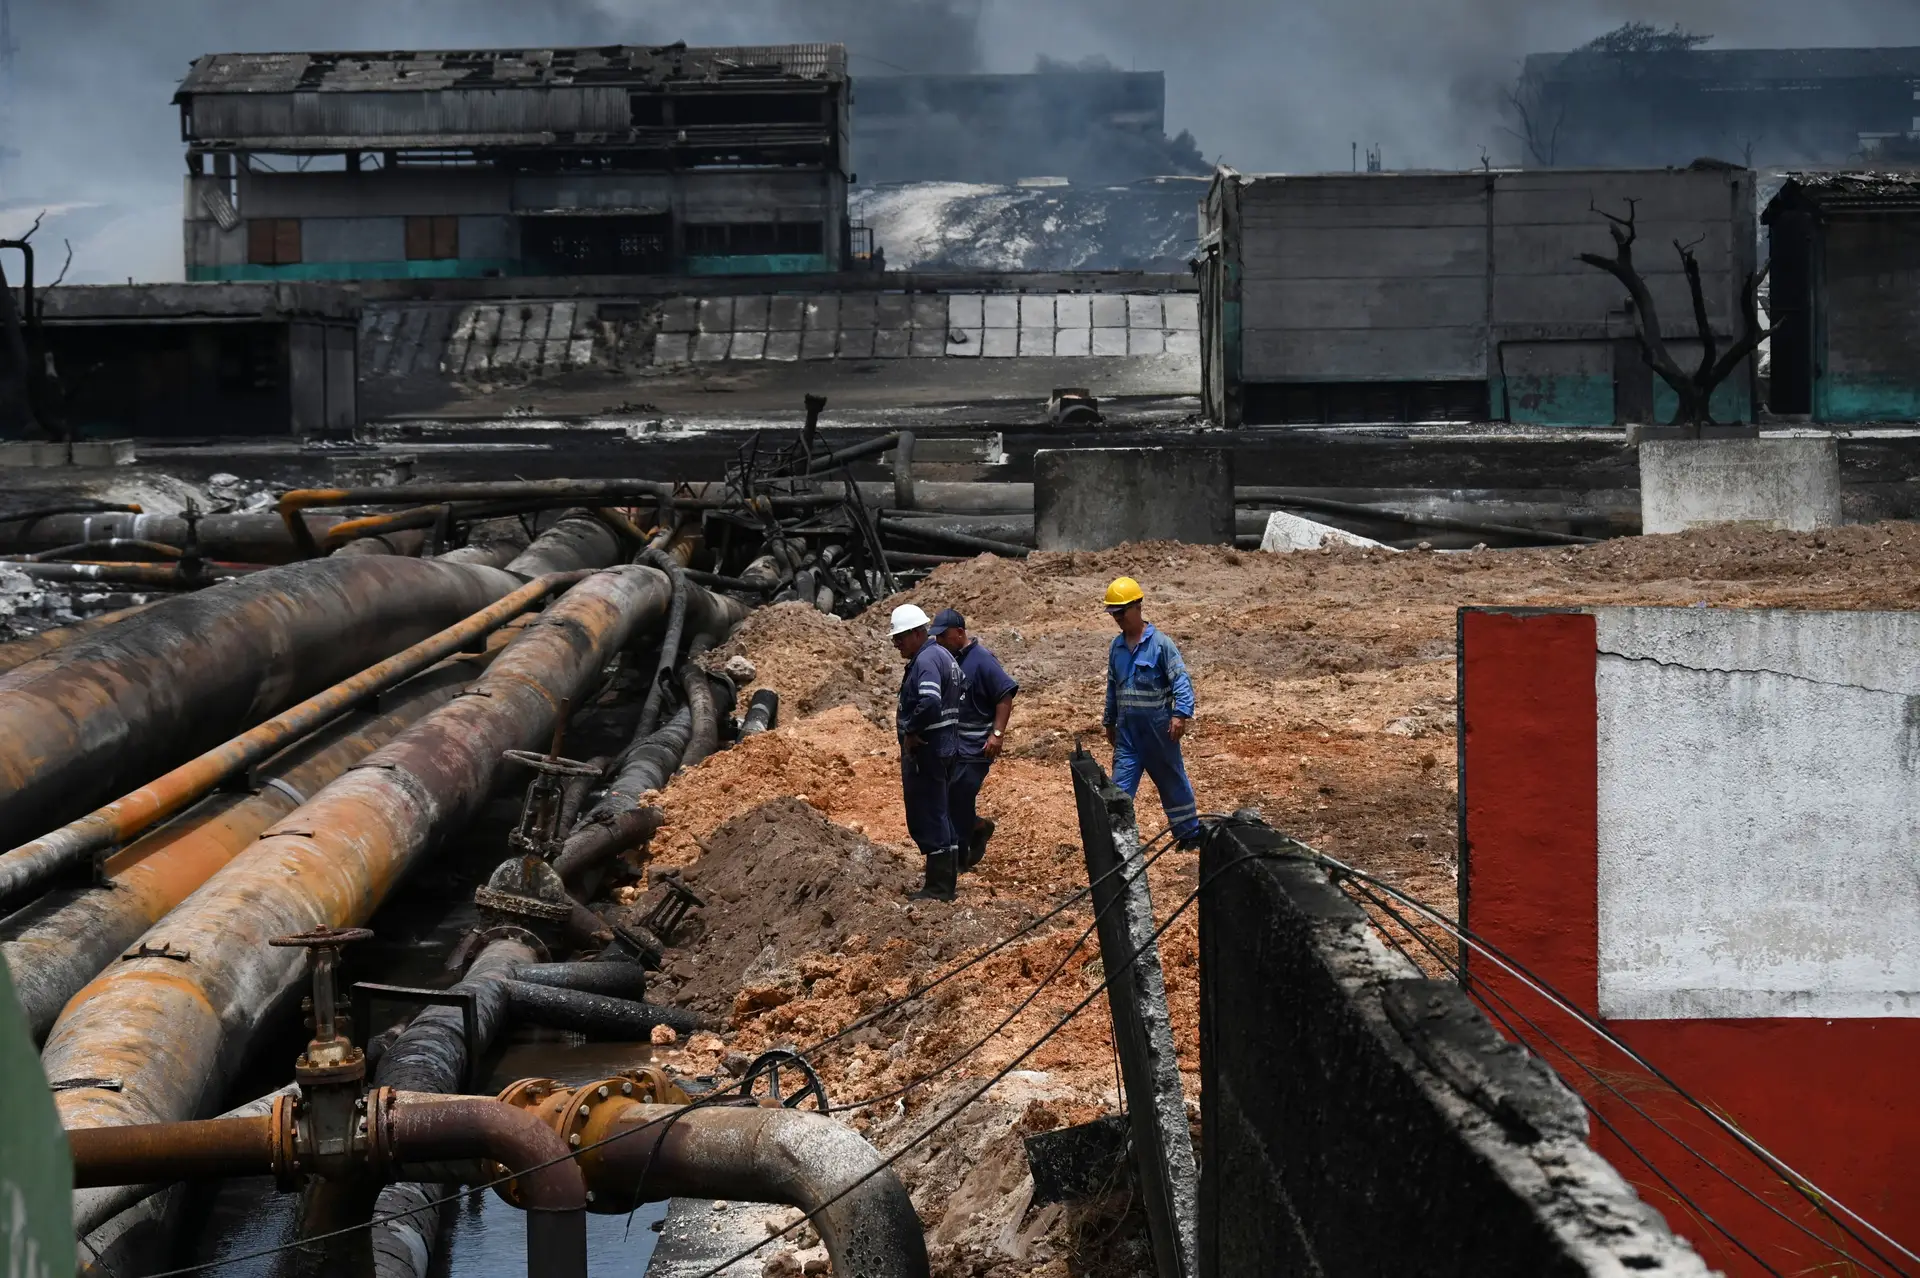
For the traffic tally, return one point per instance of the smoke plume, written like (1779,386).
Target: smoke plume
(1262,84)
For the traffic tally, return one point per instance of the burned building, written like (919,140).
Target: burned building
(1845,296)
(616,160)
(202,360)
(1395,297)
(1089,125)
(1754,106)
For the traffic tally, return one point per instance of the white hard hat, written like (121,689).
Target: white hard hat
(908,617)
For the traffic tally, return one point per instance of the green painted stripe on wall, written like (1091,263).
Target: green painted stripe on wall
(760,264)
(1730,403)
(1556,400)
(1865,400)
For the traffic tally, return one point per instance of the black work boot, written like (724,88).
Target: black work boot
(942,869)
(976,849)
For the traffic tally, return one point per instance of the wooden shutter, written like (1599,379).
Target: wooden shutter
(286,240)
(419,238)
(260,241)
(446,237)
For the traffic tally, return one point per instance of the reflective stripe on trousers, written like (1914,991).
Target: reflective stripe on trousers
(1141,745)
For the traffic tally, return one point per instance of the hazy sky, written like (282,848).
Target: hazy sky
(1262,84)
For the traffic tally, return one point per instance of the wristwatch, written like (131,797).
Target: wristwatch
(998,733)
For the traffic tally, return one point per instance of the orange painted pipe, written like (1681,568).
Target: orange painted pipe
(208,1149)
(585,491)
(30,868)
(172,1030)
(137,698)
(64,939)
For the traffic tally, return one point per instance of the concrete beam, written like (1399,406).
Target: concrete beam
(1142,1030)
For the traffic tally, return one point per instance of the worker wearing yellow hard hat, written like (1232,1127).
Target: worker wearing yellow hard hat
(1149,704)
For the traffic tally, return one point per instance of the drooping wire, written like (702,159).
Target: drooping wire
(1602,1081)
(1800,1184)
(1679,1194)
(1107,978)
(718,1096)
(1024,1004)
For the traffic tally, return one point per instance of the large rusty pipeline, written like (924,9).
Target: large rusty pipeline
(256,538)
(29,869)
(577,540)
(20,651)
(63,940)
(632,1152)
(173,1020)
(110,711)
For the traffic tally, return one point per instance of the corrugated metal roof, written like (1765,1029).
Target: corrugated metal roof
(1741,66)
(1828,194)
(374,72)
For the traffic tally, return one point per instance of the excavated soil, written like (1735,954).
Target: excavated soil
(1325,683)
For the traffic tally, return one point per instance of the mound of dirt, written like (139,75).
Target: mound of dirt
(781,882)
(817,662)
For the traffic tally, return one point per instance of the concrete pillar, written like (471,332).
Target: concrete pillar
(1096,498)
(1790,483)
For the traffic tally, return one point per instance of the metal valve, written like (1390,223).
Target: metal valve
(331,1055)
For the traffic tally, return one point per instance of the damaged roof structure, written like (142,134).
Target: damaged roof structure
(614,160)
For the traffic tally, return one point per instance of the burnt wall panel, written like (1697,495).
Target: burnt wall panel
(1329,1148)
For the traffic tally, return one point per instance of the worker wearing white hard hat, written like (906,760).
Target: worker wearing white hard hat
(928,720)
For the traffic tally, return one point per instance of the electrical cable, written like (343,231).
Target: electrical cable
(1802,1185)
(716,1097)
(1679,1194)
(995,1032)
(1152,940)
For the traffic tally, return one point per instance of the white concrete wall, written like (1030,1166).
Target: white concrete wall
(1759,813)
(1779,483)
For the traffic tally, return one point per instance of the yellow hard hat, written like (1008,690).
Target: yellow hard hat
(1123,591)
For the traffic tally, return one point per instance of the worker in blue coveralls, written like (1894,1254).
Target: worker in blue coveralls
(985,708)
(1149,704)
(929,726)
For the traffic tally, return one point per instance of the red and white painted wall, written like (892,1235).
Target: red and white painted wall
(1704,825)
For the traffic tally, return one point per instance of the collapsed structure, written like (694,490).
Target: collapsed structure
(621,160)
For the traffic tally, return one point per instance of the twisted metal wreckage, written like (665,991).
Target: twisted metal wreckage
(208,796)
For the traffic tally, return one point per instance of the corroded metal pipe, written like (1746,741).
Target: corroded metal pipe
(160,576)
(85,549)
(631,1155)
(619,821)
(63,940)
(173,1031)
(429,1132)
(20,651)
(595,492)
(113,710)
(259,538)
(548,1184)
(155,1153)
(577,540)
(30,868)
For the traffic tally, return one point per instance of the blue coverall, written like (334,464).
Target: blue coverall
(1147,687)
(988,684)
(930,692)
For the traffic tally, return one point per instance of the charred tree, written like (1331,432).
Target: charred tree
(1694,390)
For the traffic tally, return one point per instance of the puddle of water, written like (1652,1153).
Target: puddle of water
(486,1238)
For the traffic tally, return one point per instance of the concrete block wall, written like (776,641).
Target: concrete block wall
(1360,1119)
(1770,483)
